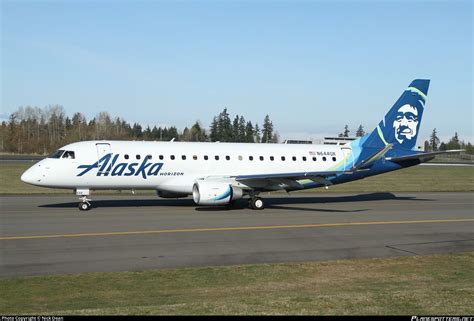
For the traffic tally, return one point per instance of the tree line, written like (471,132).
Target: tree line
(435,144)
(37,130)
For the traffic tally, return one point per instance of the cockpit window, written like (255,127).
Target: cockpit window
(56,154)
(68,154)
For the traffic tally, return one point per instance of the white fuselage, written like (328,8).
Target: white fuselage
(175,166)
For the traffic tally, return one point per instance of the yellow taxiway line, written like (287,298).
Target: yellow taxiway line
(227,229)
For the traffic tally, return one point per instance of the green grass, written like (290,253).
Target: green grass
(419,285)
(414,179)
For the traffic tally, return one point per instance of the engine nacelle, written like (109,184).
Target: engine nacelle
(165,194)
(215,193)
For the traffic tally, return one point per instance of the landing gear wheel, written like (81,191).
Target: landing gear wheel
(256,203)
(84,206)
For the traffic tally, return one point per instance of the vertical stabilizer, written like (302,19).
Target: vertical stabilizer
(401,124)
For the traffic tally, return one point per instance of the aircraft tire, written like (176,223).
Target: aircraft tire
(84,206)
(256,203)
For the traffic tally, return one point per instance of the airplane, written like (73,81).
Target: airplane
(217,173)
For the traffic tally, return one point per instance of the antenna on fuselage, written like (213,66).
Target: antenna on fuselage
(172,139)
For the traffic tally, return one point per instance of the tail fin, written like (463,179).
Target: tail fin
(401,124)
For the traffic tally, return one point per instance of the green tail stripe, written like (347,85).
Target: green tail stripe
(379,131)
(419,92)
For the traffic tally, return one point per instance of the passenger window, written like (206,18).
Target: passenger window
(183,157)
(172,157)
(216,157)
(161,157)
(314,158)
(195,157)
(283,158)
(68,154)
(126,156)
(138,156)
(251,158)
(240,157)
(272,158)
(261,158)
(227,157)
(334,159)
(148,156)
(304,158)
(294,158)
(56,154)
(206,157)
(324,158)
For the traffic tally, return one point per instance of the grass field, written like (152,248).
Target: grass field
(414,179)
(419,285)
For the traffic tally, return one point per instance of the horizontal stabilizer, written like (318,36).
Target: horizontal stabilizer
(422,157)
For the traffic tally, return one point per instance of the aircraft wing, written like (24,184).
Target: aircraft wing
(292,176)
(289,180)
(422,157)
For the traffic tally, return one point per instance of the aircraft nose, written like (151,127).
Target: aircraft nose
(28,176)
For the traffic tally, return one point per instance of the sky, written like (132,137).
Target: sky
(313,66)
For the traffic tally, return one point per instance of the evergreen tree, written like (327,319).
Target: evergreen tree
(454,142)
(155,133)
(214,130)
(256,133)
(173,133)
(360,131)
(267,132)
(197,133)
(434,140)
(225,126)
(346,131)
(469,148)
(137,130)
(186,135)
(241,129)
(147,133)
(249,133)
(235,129)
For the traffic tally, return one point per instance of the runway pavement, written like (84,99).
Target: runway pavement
(49,235)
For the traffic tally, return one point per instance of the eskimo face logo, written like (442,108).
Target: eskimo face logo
(405,124)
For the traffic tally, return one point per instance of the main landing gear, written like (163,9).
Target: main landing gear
(256,203)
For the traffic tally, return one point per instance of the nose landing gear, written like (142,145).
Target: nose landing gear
(84,204)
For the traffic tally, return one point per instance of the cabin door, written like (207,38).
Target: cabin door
(102,150)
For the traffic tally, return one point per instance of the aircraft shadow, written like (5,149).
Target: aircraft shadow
(283,203)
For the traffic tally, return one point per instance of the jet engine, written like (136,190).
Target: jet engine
(215,193)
